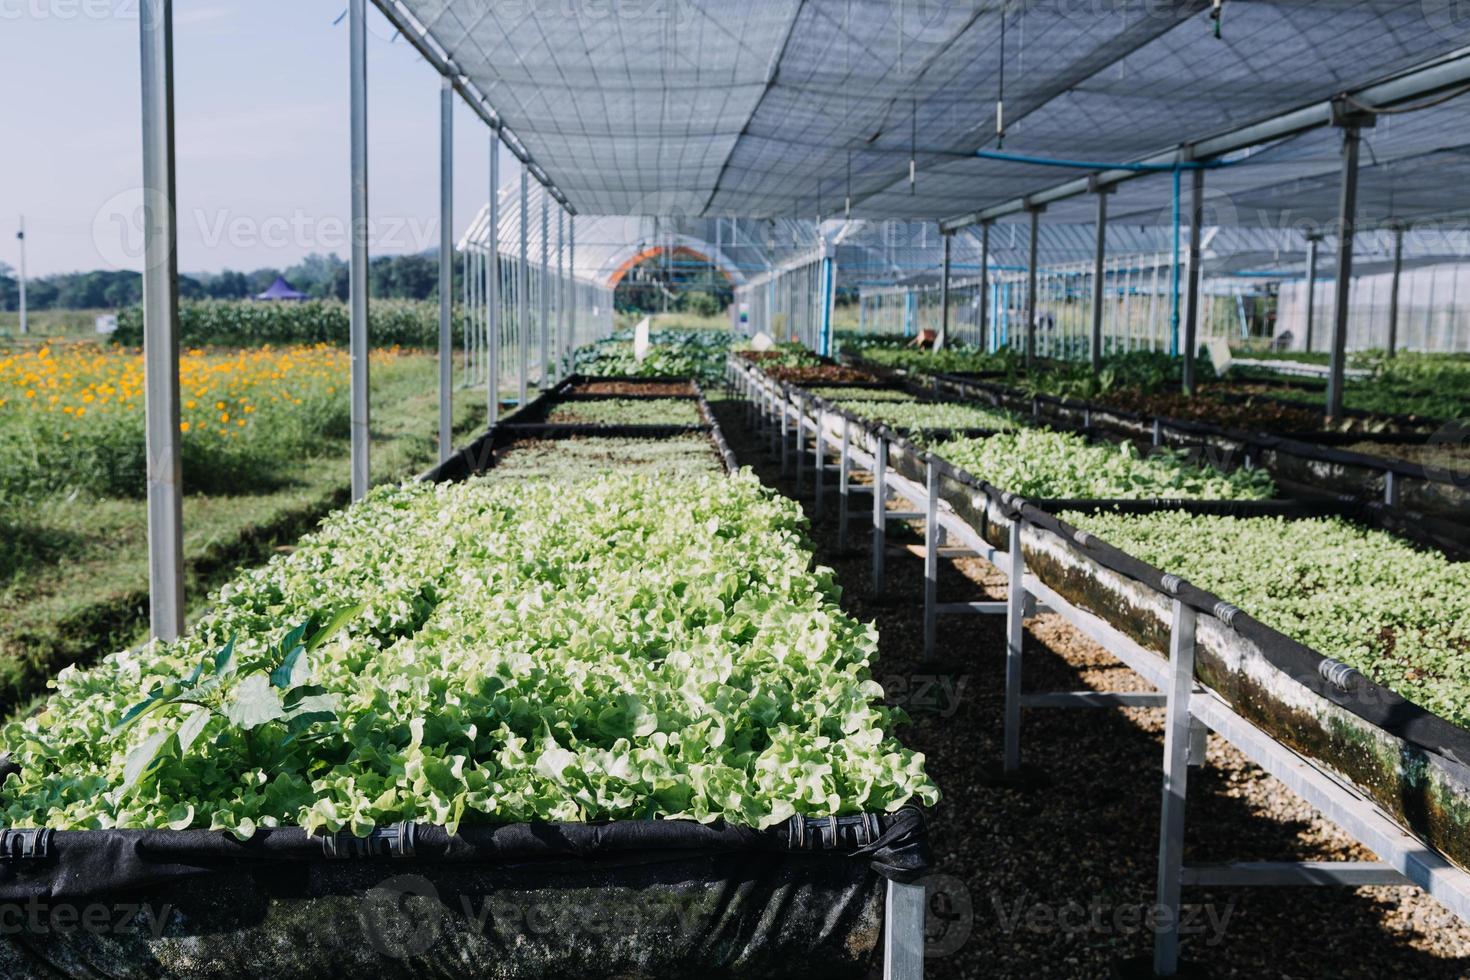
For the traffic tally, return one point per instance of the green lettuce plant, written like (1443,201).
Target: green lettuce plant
(1043,463)
(620,646)
(1398,613)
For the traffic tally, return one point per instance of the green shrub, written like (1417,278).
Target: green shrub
(242,323)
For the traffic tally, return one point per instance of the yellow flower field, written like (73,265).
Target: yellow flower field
(71,417)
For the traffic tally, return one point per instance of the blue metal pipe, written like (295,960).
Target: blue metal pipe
(1096,165)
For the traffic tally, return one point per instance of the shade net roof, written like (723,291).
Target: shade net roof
(791,108)
(878,253)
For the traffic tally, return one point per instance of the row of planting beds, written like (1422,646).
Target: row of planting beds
(1439,486)
(575,703)
(1405,394)
(1337,627)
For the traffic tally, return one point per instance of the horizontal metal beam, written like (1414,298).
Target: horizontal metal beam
(1247,874)
(419,36)
(1094,699)
(1341,805)
(970,608)
(1437,76)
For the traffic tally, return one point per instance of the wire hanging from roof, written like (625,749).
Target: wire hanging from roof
(913,142)
(1000,94)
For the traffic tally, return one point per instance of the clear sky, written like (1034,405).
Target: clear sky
(261,123)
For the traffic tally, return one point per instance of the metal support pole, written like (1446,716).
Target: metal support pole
(446,270)
(1312,242)
(543,305)
(24,312)
(880,511)
(559,358)
(1099,272)
(1031,286)
(492,287)
(523,286)
(944,295)
(844,483)
(1347,218)
(572,290)
(983,341)
(1015,636)
(785,429)
(1177,725)
(826,296)
(903,932)
(800,440)
(819,470)
(161,325)
(778,425)
(1393,291)
(1191,317)
(358,271)
(931,556)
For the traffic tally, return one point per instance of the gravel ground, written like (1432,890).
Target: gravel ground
(1052,878)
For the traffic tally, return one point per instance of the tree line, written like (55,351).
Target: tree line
(319,276)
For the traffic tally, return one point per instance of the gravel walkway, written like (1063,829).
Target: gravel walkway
(1054,879)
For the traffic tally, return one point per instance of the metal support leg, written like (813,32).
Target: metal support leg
(880,512)
(819,471)
(844,480)
(1015,634)
(785,431)
(800,441)
(903,932)
(778,422)
(931,556)
(1176,784)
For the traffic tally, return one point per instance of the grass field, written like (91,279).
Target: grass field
(73,561)
(46,324)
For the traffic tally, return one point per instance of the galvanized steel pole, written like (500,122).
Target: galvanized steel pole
(984,342)
(446,270)
(492,288)
(160,326)
(1393,292)
(523,306)
(562,345)
(1347,217)
(944,294)
(1191,291)
(1031,287)
(1099,270)
(1312,241)
(572,275)
(543,306)
(24,312)
(358,270)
